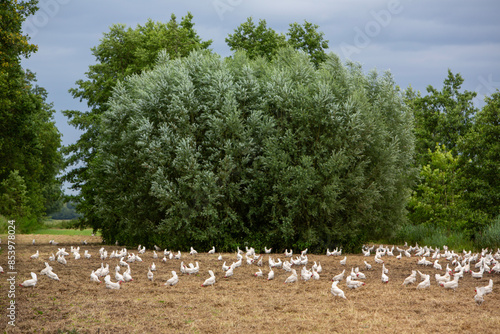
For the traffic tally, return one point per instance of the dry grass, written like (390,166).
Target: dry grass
(242,303)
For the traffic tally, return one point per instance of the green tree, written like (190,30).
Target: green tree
(441,117)
(307,38)
(29,139)
(205,151)
(262,41)
(480,163)
(122,52)
(14,199)
(257,41)
(437,199)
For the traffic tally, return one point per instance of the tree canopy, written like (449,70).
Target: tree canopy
(262,41)
(29,140)
(203,150)
(122,52)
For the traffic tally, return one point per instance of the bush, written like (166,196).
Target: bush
(490,236)
(433,236)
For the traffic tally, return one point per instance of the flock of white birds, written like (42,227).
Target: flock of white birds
(458,265)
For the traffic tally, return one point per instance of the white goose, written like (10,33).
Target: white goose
(212,251)
(150,274)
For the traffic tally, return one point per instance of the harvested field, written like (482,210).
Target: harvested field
(242,303)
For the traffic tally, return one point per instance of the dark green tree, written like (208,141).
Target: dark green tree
(122,52)
(441,117)
(256,40)
(262,41)
(29,139)
(307,38)
(480,164)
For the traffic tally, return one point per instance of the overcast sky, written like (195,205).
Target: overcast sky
(418,41)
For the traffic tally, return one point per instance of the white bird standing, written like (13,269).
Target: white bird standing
(336,291)
(425,283)
(292,278)
(153,267)
(385,278)
(343,261)
(111,285)
(229,272)
(411,279)
(339,277)
(173,280)
(368,266)
(150,274)
(212,251)
(210,280)
(258,273)
(30,282)
(453,284)
(94,277)
(35,256)
(270,276)
(127,276)
(479,296)
(44,271)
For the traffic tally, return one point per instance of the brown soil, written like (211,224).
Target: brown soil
(242,303)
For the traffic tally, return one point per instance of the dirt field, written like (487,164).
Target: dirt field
(242,303)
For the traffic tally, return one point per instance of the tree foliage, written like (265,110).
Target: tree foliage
(441,117)
(480,163)
(437,199)
(262,41)
(29,139)
(122,52)
(203,151)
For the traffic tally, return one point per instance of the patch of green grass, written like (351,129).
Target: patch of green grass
(58,231)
